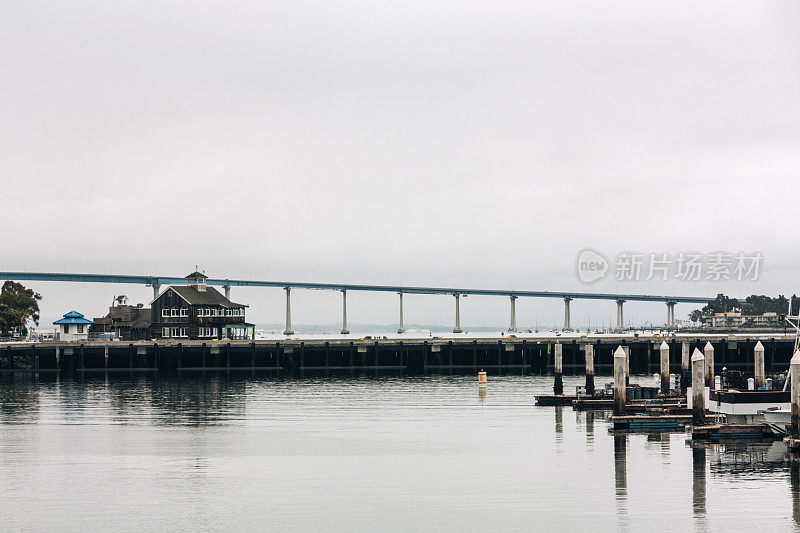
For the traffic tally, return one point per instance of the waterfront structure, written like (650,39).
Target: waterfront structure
(735,319)
(126,322)
(197,311)
(73,327)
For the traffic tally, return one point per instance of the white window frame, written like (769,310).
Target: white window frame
(184,332)
(165,332)
(174,311)
(214,332)
(184,311)
(164,312)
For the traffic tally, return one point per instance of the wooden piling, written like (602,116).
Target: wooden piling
(558,385)
(698,388)
(664,349)
(708,352)
(758,352)
(588,350)
(794,371)
(685,373)
(627,350)
(619,381)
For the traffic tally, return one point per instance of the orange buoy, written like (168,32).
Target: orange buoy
(482,378)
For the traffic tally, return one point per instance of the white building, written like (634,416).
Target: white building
(73,327)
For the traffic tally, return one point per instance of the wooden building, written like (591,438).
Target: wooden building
(125,322)
(197,311)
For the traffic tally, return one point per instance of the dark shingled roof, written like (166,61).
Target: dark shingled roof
(210,296)
(196,274)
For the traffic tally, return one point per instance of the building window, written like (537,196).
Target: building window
(165,312)
(173,312)
(184,332)
(215,334)
(184,311)
(165,332)
(66,329)
(214,312)
(80,329)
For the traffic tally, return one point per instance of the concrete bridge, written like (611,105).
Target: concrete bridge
(157,281)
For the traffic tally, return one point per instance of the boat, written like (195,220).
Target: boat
(747,406)
(758,406)
(778,420)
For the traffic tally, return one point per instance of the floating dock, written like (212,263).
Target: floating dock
(716,432)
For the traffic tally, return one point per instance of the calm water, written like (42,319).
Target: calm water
(420,454)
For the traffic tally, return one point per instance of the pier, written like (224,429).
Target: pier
(394,356)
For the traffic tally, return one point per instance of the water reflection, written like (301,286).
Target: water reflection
(621,478)
(699,484)
(794,480)
(590,429)
(19,397)
(559,414)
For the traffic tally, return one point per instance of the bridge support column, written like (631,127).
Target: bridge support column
(227,291)
(288,330)
(457,329)
(670,315)
(156,290)
(567,326)
(345,331)
(401,329)
(620,317)
(512,328)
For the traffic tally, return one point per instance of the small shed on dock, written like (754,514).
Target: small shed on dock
(73,327)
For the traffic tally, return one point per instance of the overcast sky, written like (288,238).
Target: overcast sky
(444,143)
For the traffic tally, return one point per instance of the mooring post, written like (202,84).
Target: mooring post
(685,365)
(759,365)
(664,368)
(698,388)
(288,330)
(619,381)
(620,317)
(588,350)
(105,355)
(794,371)
(558,385)
(58,357)
(708,352)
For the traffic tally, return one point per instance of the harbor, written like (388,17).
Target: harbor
(381,449)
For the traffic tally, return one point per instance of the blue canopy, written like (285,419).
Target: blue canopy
(73,317)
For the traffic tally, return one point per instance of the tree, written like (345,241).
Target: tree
(18,305)
(696,316)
